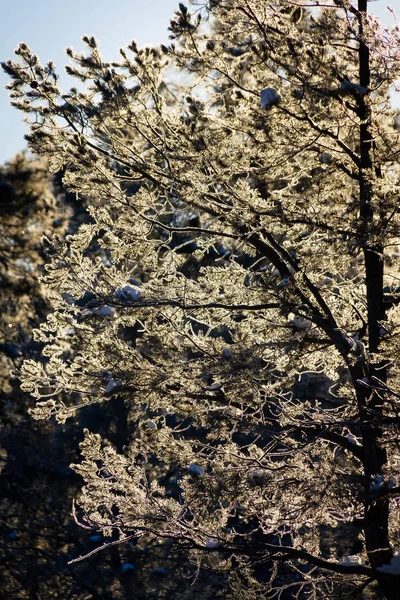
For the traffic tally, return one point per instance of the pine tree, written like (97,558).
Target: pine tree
(38,536)
(237,288)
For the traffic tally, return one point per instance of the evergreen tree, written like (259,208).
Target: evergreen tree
(37,532)
(236,288)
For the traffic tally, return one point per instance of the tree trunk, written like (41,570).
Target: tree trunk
(370,402)
(390,586)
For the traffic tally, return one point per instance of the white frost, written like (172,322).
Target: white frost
(68,331)
(269,97)
(394,566)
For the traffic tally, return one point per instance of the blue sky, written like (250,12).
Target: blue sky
(49,26)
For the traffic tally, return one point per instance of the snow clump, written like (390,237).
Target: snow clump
(351,561)
(394,566)
(269,97)
(352,438)
(128,294)
(211,543)
(105,311)
(377,483)
(353,88)
(112,385)
(196,470)
(214,386)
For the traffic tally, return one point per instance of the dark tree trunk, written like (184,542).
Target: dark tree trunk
(370,402)
(390,586)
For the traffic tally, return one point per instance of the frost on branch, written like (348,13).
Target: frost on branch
(232,287)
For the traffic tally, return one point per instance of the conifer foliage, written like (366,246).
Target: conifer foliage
(237,287)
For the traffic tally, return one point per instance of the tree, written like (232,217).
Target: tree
(241,291)
(38,536)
